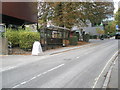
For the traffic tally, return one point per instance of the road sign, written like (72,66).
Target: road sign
(117,27)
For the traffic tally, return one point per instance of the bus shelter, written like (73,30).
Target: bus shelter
(54,37)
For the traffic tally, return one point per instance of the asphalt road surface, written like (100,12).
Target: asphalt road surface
(77,68)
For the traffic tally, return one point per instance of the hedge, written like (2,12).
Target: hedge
(23,39)
(93,36)
(73,40)
(13,37)
(26,39)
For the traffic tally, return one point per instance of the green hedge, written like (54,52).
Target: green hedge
(93,36)
(112,34)
(13,37)
(27,39)
(73,40)
(22,38)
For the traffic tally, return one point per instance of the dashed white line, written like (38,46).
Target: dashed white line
(18,65)
(34,77)
(8,68)
(77,57)
(38,76)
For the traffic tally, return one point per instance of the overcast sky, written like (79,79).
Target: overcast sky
(116,4)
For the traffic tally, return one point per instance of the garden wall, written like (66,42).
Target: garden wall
(3,46)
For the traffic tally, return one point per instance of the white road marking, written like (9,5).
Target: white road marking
(107,78)
(38,76)
(18,65)
(115,60)
(108,75)
(96,79)
(9,68)
(104,69)
(24,82)
(42,57)
(77,57)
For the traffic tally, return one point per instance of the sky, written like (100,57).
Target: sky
(116,5)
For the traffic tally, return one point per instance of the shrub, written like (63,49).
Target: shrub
(112,34)
(86,37)
(27,39)
(93,36)
(22,38)
(73,40)
(105,36)
(2,34)
(13,37)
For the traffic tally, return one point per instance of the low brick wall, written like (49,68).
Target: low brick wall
(3,46)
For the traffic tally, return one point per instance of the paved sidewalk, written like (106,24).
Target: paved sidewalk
(63,49)
(113,83)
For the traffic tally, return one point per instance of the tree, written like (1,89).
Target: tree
(117,17)
(99,31)
(65,13)
(68,14)
(44,13)
(97,11)
(110,28)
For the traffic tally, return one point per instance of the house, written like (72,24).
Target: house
(90,29)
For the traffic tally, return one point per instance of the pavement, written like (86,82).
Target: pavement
(114,79)
(114,76)
(58,64)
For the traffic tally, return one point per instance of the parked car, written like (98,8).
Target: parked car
(117,36)
(102,37)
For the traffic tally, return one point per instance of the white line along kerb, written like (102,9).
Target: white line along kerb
(105,68)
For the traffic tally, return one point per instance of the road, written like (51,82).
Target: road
(78,68)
